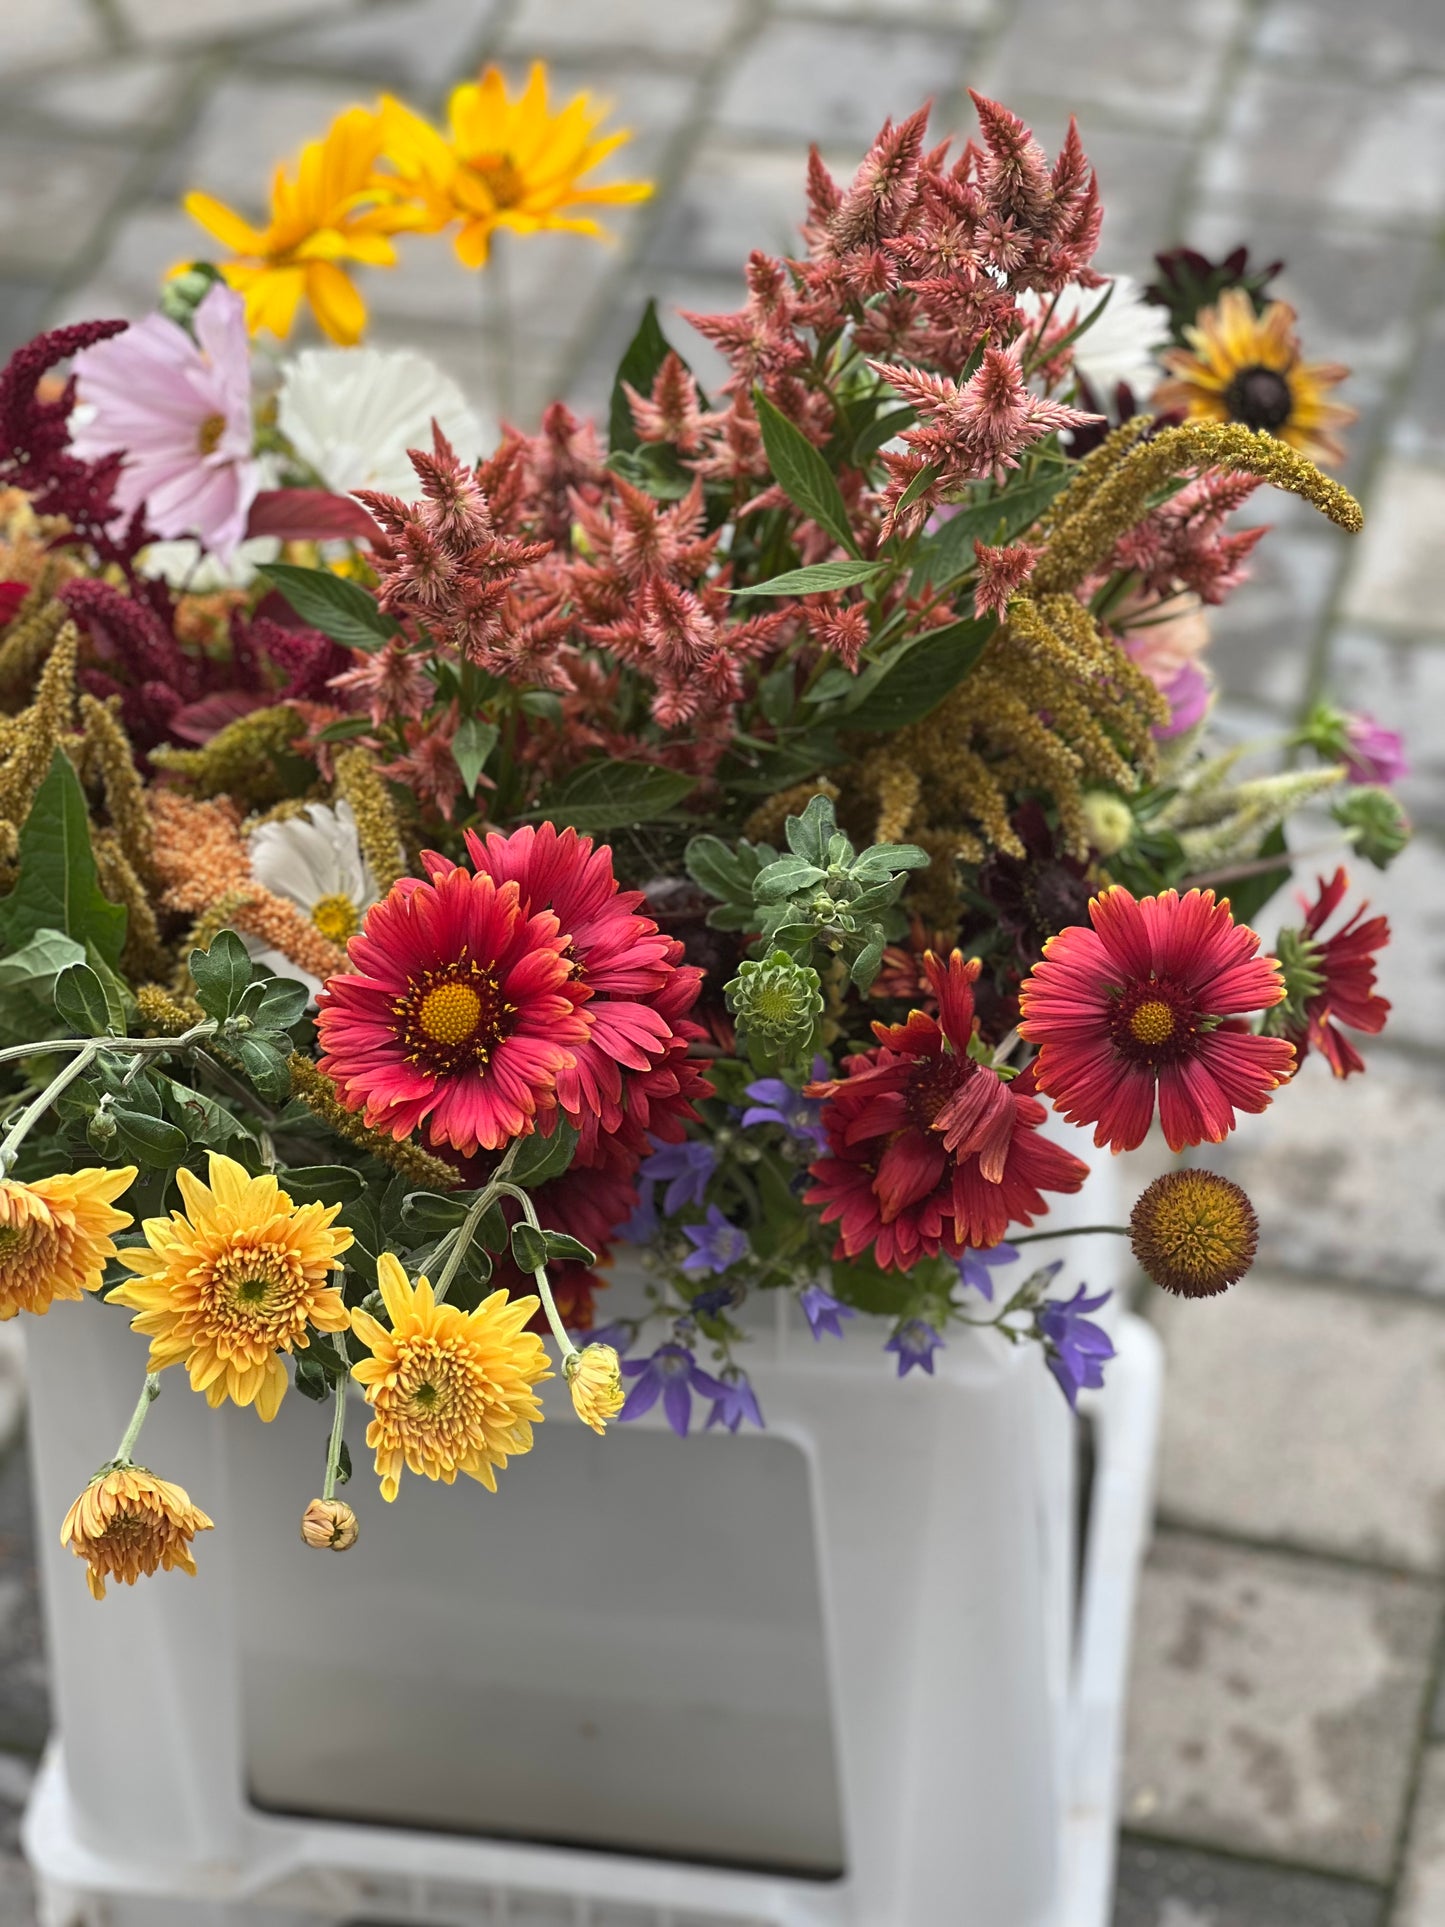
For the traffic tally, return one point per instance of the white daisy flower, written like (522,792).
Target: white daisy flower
(313,860)
(352,413)
(1124,343)
(186,566)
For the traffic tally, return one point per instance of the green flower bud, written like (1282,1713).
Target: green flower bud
(777,1003)
(184,293)
(1110,821)
(1299,958)
(1377,826)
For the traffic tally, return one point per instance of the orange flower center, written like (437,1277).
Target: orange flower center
(1154,1022)
(454,1018)
(209,434)
(500,178)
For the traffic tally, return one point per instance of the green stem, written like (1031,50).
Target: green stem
(338,1426)
(150,1391)
(33,1112)
(544,1290)
(87,1052)
(1070,1231)
(467,1229)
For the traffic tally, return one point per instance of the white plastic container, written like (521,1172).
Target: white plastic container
(847,1673)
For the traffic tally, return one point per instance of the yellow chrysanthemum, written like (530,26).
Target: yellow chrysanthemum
(451,1390)
(127,1522)
(595,1378)
(55,1237)
(1244,367)
(234,1282)
(336,209)
(507,163)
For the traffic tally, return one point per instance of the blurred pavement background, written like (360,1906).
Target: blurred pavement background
(1287,1737)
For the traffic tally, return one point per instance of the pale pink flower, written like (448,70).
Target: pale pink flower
(180,411)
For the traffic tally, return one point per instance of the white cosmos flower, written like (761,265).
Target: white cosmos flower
(185,565)
(1122,345)
(352,413)
(313,860)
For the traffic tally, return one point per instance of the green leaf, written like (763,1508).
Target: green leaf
(872,438)
(867,963)
(57,888)
(428,1212)
(41,960)
(323,1183)
(562,1249)
(311,1380)
(802,473)
(949,552)
(818,579)
(723,871)
(149,1140)
(203,1120)
(612,796)
(644,355)
(337,607)
(281,1004)
(785,878)
(542,1158)
(471,746)
(262,1056)
(808,833)
(81,1001)
(529,1247)
(921,674)
(343,1464)
(221,975)
(866,1288)
(921,483)
(118,999)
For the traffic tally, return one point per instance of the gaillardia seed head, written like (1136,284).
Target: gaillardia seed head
(1194,1233)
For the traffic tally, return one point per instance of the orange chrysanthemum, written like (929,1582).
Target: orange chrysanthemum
(55,1237)
(1244,367)
(452,1390)
(507,163)
(127,1522)
(233,1283)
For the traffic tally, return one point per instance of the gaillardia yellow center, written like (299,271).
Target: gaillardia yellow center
(1152,1022)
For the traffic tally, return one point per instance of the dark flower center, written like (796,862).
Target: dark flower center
(453,1018)
(932,1084)
(499,173)
(1260,398)
(1154,1022)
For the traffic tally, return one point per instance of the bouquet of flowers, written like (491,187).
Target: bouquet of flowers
(724,830)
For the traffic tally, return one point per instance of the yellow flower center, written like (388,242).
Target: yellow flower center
(209,434)
(256,1289)
(1152,1023)
(1194,1232)
(500,177)
(449,1013)
(14,1238)
(335,917)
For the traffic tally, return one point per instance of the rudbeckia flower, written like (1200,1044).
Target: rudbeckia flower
(337,209)
(1139,1002)
(1244,367)
(506,163)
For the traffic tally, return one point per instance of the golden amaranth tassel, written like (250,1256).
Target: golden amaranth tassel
(317,1092)
(108,753)
(240,760)
(162,1015)
(32,737)
(361,784)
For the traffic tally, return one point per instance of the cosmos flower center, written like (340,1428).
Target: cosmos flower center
(335,917)
(453,1018)
(209,434)
(500,177)
(1260,398)
(1153,1022)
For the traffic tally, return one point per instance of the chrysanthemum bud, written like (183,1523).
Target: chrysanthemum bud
(595,1378)
(330,1525)
(1110,821)
(1194,1232)
(777,1003)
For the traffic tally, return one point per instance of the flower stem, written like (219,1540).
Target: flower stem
(544,1290)
(469,1225)
(33,1112)
(150,1391)
(87,1050)
(1070,1231)
(338,1425)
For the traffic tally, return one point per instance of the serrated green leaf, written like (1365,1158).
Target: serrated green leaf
(921,674)
(610,796)
(471,746)
(802,473)
(221,974)
(529,1247)
(820,578)
(149,1140)
(57,888)
(337,607)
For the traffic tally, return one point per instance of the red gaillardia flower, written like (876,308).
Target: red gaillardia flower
(1139,1001)
(928,1149)
(462,1010)
(1331,982)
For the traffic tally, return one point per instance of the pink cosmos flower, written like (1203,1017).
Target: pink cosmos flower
(180,411)
(1373,754)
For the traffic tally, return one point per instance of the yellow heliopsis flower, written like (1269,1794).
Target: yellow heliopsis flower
(235,1281)
(594,1376)
(1244,367)
(451,1390)
(55,1237)
(127,1522)
(336,209)
(507,163)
